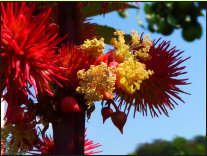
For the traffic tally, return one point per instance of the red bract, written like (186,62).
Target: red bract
(102,58)
(47,147)
(28,46)
(89,145)
(158,91)
(74,59)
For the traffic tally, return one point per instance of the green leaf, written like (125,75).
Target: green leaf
(192,31)
(139,21)
(95,8)
(123,14)
(171,20)
(108,32)
(152,27)
(147,8)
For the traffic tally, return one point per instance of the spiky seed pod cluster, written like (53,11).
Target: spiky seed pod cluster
(28,56)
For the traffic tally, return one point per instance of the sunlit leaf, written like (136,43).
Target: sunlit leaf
(108,32)
(94,9)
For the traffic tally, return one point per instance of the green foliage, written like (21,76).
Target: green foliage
(192,31)
(164,17)
(108,32)
(123,14)
(179,146)
(16,139)
(94,8)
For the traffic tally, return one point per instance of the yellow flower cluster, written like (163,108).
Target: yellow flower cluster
(143,52)
(143,55)
(94,47)
(122,51)
(130,75)
(96,81)
(135,38)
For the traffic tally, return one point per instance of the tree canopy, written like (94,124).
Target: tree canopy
(178,146)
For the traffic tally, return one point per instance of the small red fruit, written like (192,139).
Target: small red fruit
(119,119)
(69,104)
(106,113)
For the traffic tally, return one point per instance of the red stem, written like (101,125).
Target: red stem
(115,106)
(69,133)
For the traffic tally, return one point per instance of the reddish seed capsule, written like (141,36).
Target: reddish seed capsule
(106,113)
(69,104)
(119,120)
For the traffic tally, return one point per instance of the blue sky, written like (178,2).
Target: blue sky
(186,120)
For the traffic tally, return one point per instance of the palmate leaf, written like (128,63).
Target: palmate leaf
(94,9)
(123,14)
(108,32)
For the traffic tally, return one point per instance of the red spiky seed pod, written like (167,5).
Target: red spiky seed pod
(69,104)
(106,113)
(119,119)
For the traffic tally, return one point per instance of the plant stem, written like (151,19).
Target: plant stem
(69,20)
(69,133)
(115,106)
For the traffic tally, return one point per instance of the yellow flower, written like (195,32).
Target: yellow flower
(135,38)
(130,75)
(143,55)
(96,81)
(94,47)
(143,52)
(122,50)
